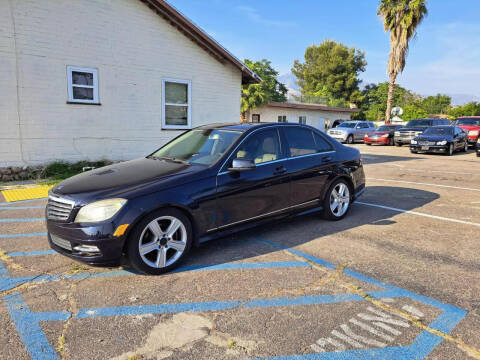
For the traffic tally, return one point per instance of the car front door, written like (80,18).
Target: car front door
(253,194)
(361,130)
(311,161)
(460,138)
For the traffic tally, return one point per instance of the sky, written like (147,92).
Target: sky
(444,57)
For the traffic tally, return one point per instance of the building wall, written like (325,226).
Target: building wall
(315,118)
(133,49)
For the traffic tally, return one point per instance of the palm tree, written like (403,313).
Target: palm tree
(401,18)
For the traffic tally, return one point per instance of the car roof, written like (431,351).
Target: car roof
(248,126)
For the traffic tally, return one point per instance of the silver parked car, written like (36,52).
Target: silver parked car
(351,131)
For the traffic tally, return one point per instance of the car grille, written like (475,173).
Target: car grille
(408,134)
(64,244)
(429,143)
(335,132)
(59,209)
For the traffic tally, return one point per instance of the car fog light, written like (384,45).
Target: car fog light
(444,142)
(87,249)
(413,142)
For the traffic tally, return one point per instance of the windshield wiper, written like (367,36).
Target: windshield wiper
(180,161)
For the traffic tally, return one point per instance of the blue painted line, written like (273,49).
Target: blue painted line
(157,309)
(247,265)
(31,253)
(21,201)
(21,207)
(21,220)
(9,236)
(30,332)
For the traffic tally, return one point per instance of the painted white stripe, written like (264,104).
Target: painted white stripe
(420,183)
(371,330)
(346,329)
(348,339)
(418,213)
(387,328)
(324,342)
(413,310)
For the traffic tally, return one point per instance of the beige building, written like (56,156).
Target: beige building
(318,116)
(107,79)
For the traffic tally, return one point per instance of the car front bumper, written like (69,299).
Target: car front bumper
(430,148)
(339,137)
(472,140)
(93,244)
(379,140)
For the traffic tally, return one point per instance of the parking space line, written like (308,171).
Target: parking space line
(31,253)
(418,213)
(21,220)
(9,236)
(421,183)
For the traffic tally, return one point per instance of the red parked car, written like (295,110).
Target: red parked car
(471,125)
(382,136)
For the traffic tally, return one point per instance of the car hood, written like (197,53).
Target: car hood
(434,138)
(469,127)
(378,133)
(124,176)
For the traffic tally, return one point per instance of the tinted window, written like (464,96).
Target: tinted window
(420,123)
(347,125)
(260,147)
(467,122)
(386,128)
(321,143)
(439,131)
(363,126)
(300,141)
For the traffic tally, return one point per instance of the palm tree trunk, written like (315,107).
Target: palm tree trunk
(391,88)
(243,117)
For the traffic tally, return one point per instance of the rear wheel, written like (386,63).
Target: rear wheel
(398,144)
(368,144)
(160,241)
(337,201)
(350,139)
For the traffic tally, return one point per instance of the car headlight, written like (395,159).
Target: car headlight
(473,132)
(413,142)
(100,210)
(444,142)
(397,133)
(385,135)
(418,132)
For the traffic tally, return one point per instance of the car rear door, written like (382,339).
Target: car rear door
(311,160)
(249,195)
(361,130)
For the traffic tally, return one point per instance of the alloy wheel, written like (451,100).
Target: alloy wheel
(339,199)
(162,242)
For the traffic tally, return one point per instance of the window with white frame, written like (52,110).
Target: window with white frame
(302,120)
(82,85)
(282,118)
(176,104)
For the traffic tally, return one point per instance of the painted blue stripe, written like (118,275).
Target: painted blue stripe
(21,220)
(21,201)
(157,309)
(8,236)
(248,265)
(31,253)
(21,207)
(299,253)
(30,332)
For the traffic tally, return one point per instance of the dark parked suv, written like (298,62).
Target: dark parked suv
(207,183)
(404,135)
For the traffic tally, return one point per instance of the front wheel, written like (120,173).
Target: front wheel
(465,148)
(398,144)
(337,201)
(350,139)
(160,241)
(450,150)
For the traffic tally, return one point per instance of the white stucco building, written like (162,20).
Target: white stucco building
(318,116)
(107,79)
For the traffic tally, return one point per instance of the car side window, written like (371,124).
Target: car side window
(260,147)
(322,144)
(300,141)
(363,126)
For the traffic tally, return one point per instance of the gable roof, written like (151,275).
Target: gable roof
(200,37)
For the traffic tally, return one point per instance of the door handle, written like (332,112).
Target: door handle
(280,170)
(326,158)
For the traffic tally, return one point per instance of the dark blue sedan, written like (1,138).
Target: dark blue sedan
(206,183)
(440,139)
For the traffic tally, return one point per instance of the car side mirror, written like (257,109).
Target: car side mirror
(242,165)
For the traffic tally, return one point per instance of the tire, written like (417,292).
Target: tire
(450,150)
(350,139)
(465,148)
(368,144)
(398,144)
(174,246)
(414,152)
(343,190)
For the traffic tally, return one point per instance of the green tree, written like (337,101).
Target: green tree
(401,18)
(469,109)
(331,70)
(269,89)
(438,104)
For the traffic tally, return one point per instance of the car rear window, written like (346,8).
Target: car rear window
(300,141)
(322,144)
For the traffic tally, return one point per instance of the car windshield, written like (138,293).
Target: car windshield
(199,146)
(347,125)
(386,128)
(439,131)
(419,123)
(467,122)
